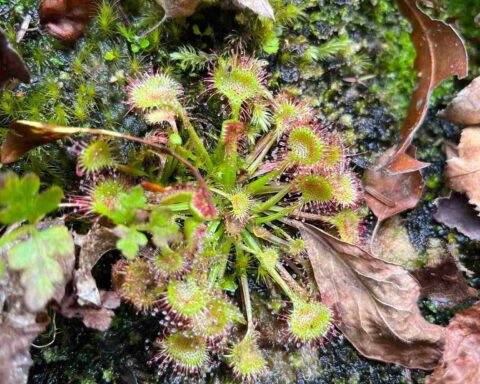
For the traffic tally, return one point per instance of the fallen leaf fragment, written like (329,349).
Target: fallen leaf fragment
(93,246)
(95,317)
(441,54)
(464,109)
(441,279)
(175,9)
(67,19)
(15,360)
(455,212)
(461,358)
(260,7)
(24,136)
(376,302)
(388,194)
(463,167)
(11,64)
(395,184)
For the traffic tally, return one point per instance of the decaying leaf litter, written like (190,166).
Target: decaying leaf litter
(428,336)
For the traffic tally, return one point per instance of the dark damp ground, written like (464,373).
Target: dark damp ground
(363,88)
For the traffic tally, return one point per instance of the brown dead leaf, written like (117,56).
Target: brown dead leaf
(389,194)
(67,19)
(465,107)
(461,358)
(455,212)
(24,136)
(441,54)
(15,360)
(11,64)
(376,302)
(175,9)
(441,279)
(260,7)
(463,167)
(93,246)
(395,184)
(95,317)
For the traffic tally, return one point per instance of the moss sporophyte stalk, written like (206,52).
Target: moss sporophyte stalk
(195,243)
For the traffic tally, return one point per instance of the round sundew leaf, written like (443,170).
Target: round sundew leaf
(241,204)
(305,147)
(217,318)
(309,321)
(239,79)
(315,188)
(186,351)
(345,190)
(246,359)
(157,91)
(268,258)
(105,196)
(186,298)
(96,156)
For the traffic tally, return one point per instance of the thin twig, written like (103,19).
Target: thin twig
(23,28)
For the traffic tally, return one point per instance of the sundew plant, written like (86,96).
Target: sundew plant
(194,241)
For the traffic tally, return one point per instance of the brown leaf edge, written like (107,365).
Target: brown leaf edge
(12,65)
(464,109)
(376,302)
(67,19)
(461,359)
(98,241)
(441,54)
(457,213)
(389,194)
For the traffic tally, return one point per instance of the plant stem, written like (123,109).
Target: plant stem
(272,200)
(265,144)
(276,216)
(196,141)
(247,302)
(256,249)
(260,183)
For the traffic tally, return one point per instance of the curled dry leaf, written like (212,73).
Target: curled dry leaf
(260,7)
(456,212)
(376,302)
(463,166)
(465,107)
(11,64)
(67,19)
(440,55)
(93,246)
(389,194)
(24,136)
(461,358)
(95,317)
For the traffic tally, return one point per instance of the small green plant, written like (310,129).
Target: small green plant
(185,241)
